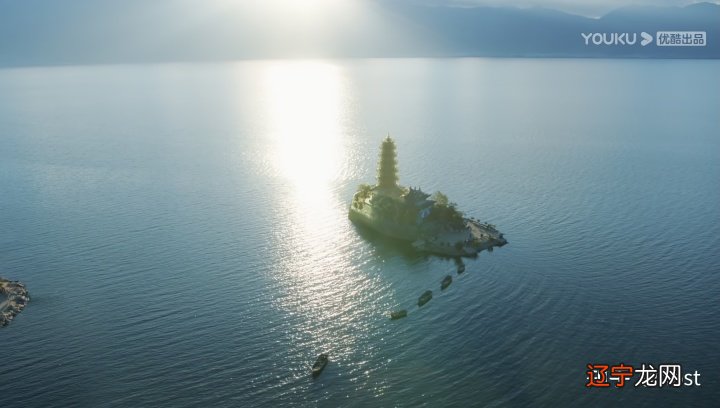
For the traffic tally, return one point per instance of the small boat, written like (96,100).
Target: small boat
(461,268)
(319,365)
(398,314)
(425,297)
(446,282)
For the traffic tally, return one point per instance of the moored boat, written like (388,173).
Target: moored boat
(446,282)
(425,297)
(319,365)
(398,314)
(461,268)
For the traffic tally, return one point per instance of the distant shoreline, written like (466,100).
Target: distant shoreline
(21,65)
(13,299)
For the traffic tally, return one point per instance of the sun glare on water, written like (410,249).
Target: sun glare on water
(304,114)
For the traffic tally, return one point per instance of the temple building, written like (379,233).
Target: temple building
(419,200)
(409,214)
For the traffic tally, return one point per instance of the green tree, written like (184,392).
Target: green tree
(364,190)
(440,198)
(387,175)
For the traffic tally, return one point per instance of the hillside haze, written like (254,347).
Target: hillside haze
(39,32)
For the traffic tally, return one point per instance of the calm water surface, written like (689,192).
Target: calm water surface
(182,230)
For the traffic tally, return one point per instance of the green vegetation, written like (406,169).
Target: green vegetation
(445,212)
(364,191)
(439,198)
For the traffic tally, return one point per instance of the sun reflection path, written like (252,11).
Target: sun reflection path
(322,287)
(305,101)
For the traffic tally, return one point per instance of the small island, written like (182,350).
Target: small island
(431,223)
(13,299)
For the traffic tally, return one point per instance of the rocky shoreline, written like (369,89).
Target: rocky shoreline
(470,241)
(15,296)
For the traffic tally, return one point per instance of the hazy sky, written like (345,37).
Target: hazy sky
(590,8)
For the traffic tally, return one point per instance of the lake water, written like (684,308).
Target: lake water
(183,232)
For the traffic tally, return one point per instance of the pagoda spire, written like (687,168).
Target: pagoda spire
(387,176)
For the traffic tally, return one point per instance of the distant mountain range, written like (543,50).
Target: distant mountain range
(40,32)
(539,32)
